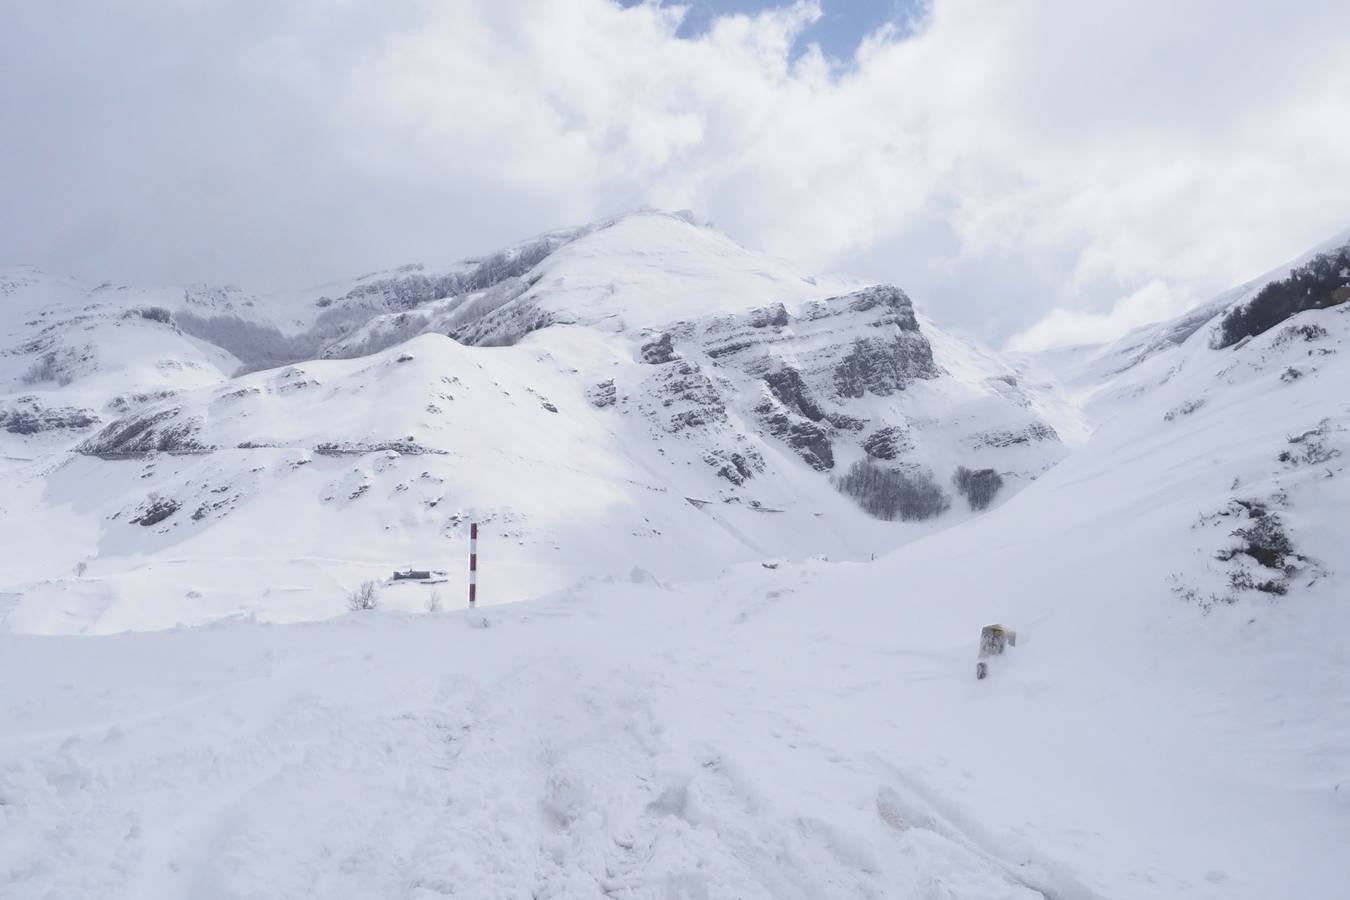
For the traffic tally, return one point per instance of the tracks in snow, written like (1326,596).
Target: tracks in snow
(397,762)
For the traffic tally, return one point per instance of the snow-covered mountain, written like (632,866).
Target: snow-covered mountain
(609,393)
(1095,379)
(674,717)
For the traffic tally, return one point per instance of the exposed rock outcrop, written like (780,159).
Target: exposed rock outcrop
(1002,437)
(787,386)
(884,366)
(887,443)
(688,396)
(659,351)
(735,467)
(805,437)
(160,431)
(603,394)
(156,510)
(28,416)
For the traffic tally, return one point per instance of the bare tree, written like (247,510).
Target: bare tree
(893,493)
(977,485)
(367,596)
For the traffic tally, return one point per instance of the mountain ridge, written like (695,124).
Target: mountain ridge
(645,356)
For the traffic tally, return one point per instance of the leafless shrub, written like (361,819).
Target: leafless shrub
(1311,447)
(45,368)
(367,596)
(150,313)
(1184,409)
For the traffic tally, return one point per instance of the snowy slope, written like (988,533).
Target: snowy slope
(645,270)
(1163,713)
(1096,379)
(66,349)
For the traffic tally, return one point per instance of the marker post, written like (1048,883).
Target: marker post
(473,564)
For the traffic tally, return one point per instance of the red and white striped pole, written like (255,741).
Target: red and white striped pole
(473,564)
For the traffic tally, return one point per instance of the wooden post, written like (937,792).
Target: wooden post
(473,564)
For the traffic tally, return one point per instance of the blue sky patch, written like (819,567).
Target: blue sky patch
(841,28)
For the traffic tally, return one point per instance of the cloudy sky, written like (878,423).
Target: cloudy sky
(1031,171)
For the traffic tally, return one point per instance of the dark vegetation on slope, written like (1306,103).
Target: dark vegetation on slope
(1262,558)
(1185,408)
(978,486)
(1323,281)
(1264,540)
(151,314)
(60,366)
(1312,447)
(893,494)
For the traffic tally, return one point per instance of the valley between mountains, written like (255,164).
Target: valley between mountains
(740,528)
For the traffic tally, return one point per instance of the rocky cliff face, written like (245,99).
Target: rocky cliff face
(793,375)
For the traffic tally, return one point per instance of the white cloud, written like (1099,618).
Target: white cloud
(1009,164)
(1154,302)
